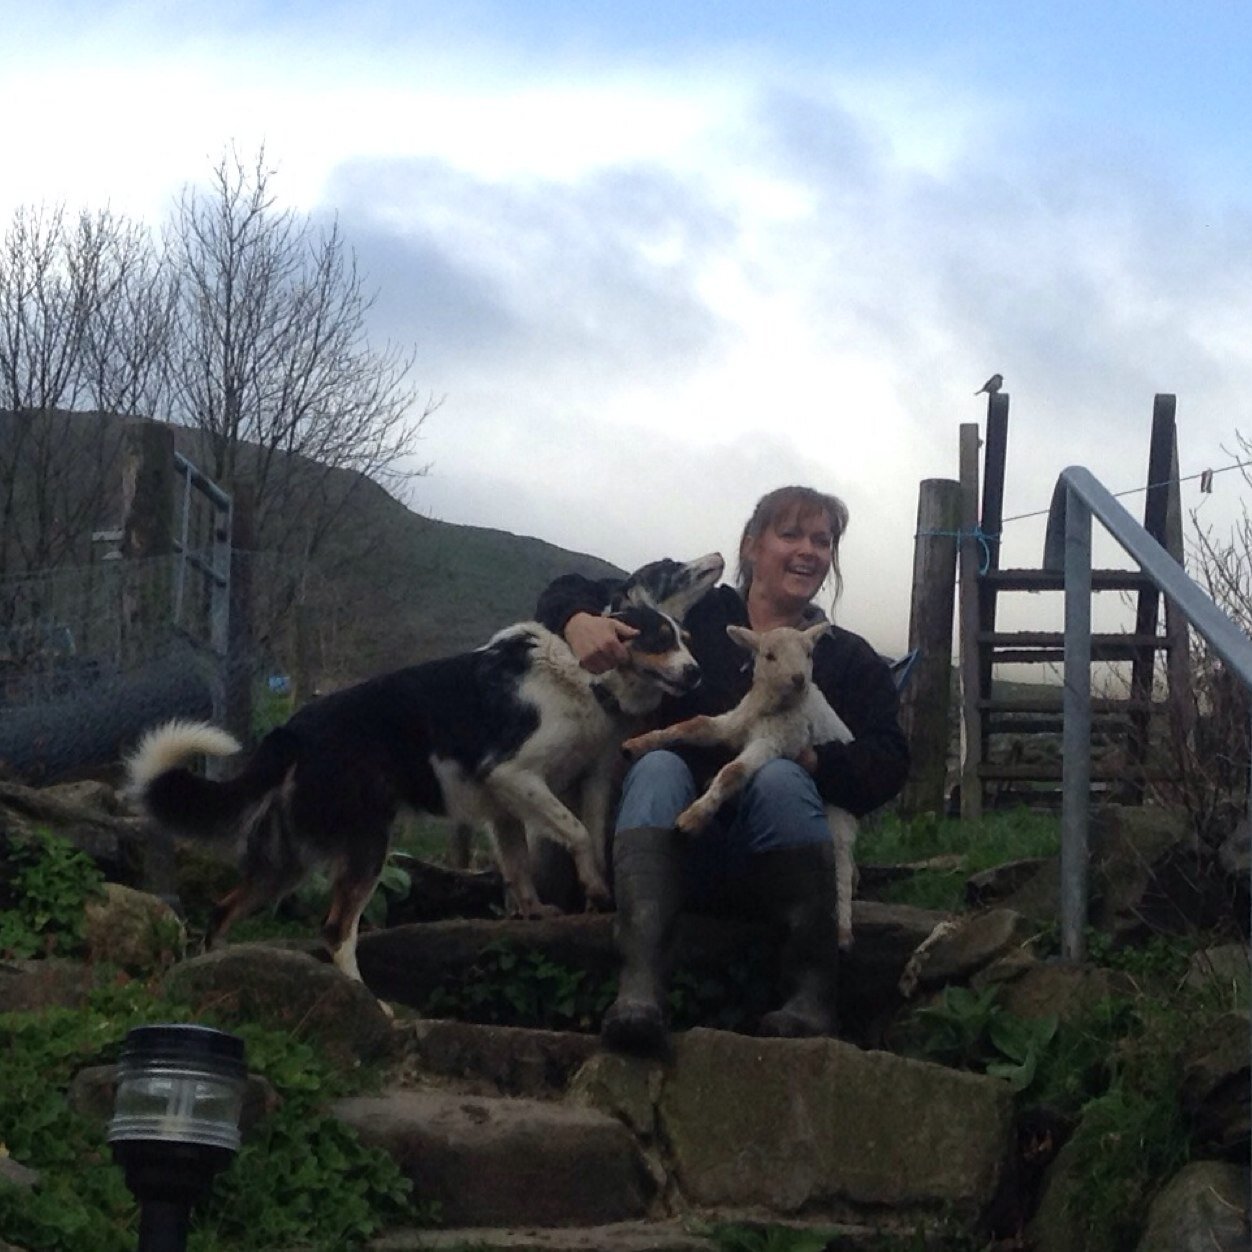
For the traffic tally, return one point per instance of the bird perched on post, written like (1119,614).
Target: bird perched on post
(992,385)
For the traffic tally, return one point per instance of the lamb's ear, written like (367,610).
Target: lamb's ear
(814,633)
(744,637)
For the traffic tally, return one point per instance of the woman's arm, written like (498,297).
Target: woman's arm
(572,607)
(862,775)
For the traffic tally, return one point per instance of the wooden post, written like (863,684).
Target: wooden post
(970,622)
(1161,462)
(992,499)
(238,666)
(927,700)
(1183,712)
(147,533)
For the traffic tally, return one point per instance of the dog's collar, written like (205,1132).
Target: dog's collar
(608,701)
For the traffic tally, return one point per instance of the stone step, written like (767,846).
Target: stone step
(658,1236)
(507,1161)
(497,1060)
(438,967)
(665,1236)
(729,1124)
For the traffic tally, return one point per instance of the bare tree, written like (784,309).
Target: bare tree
(74,291)
(271,363)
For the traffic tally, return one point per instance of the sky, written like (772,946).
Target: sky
(658,259)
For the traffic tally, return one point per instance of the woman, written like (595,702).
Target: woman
(769,852)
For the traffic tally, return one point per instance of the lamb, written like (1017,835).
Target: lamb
(782,714)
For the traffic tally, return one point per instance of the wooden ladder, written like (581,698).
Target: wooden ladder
(987,717)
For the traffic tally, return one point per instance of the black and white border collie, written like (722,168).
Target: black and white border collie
(494,736)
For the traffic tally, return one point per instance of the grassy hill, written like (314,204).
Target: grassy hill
(385,587)
(424,588)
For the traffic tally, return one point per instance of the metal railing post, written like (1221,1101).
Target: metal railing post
(1076,735)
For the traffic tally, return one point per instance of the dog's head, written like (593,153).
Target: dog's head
(658,653)
(672,587)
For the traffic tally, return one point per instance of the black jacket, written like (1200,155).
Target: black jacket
(856,776)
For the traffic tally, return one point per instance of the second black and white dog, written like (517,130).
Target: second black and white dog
(495,736)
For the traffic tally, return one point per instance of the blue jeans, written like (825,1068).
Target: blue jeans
(778,808)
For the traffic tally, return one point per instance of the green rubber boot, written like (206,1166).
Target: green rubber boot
(796,887)
(647,885)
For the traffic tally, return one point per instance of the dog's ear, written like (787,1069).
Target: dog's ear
(670,586)
(744,637)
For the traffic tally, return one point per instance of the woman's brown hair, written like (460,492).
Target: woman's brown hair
(803,502)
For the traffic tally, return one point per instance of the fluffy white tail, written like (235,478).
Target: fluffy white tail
(172,744)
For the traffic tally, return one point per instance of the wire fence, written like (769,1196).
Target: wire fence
(91,655)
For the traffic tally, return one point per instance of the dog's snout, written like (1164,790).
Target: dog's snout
(691,676)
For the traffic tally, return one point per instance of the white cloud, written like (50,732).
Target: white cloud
(650,293)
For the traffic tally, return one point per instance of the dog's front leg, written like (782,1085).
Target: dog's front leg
(524,794)
(595,804)
(508,836)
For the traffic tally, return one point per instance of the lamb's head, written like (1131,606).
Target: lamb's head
(784,660)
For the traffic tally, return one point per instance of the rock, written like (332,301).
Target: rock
(1227,964)
(666,1236)
(972,943)
(1235,853)
(990,886)
(1203,1208)
(501,1058)
(48,983)
(1057,1225)
(15,1174)
(1128,845)
(287,991)
(408,964)
(133,929)
(505,1161)
(1214,1088)
(1056,987)
(815,1125)
(88,793)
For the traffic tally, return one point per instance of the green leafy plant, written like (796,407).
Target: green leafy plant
(972,1030)
(44,883)
(515,987)
(302,1178)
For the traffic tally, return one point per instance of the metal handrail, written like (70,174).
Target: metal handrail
(1079,496)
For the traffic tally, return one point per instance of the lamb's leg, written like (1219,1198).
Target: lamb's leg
(843,832)
(728,781)
(697,732)
(526,795)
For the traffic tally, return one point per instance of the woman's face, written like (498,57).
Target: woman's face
(791,557)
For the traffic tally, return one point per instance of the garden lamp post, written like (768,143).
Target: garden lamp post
(175,1122)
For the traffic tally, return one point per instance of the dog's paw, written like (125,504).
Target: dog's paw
(599,901)
(535,911)
(636,747)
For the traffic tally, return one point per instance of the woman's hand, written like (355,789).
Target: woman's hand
(806,759)
(598,642)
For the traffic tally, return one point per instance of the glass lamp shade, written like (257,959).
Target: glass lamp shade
(180,1084)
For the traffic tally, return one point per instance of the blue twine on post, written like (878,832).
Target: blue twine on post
(977,533)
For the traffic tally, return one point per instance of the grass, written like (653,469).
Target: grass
(998,838)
